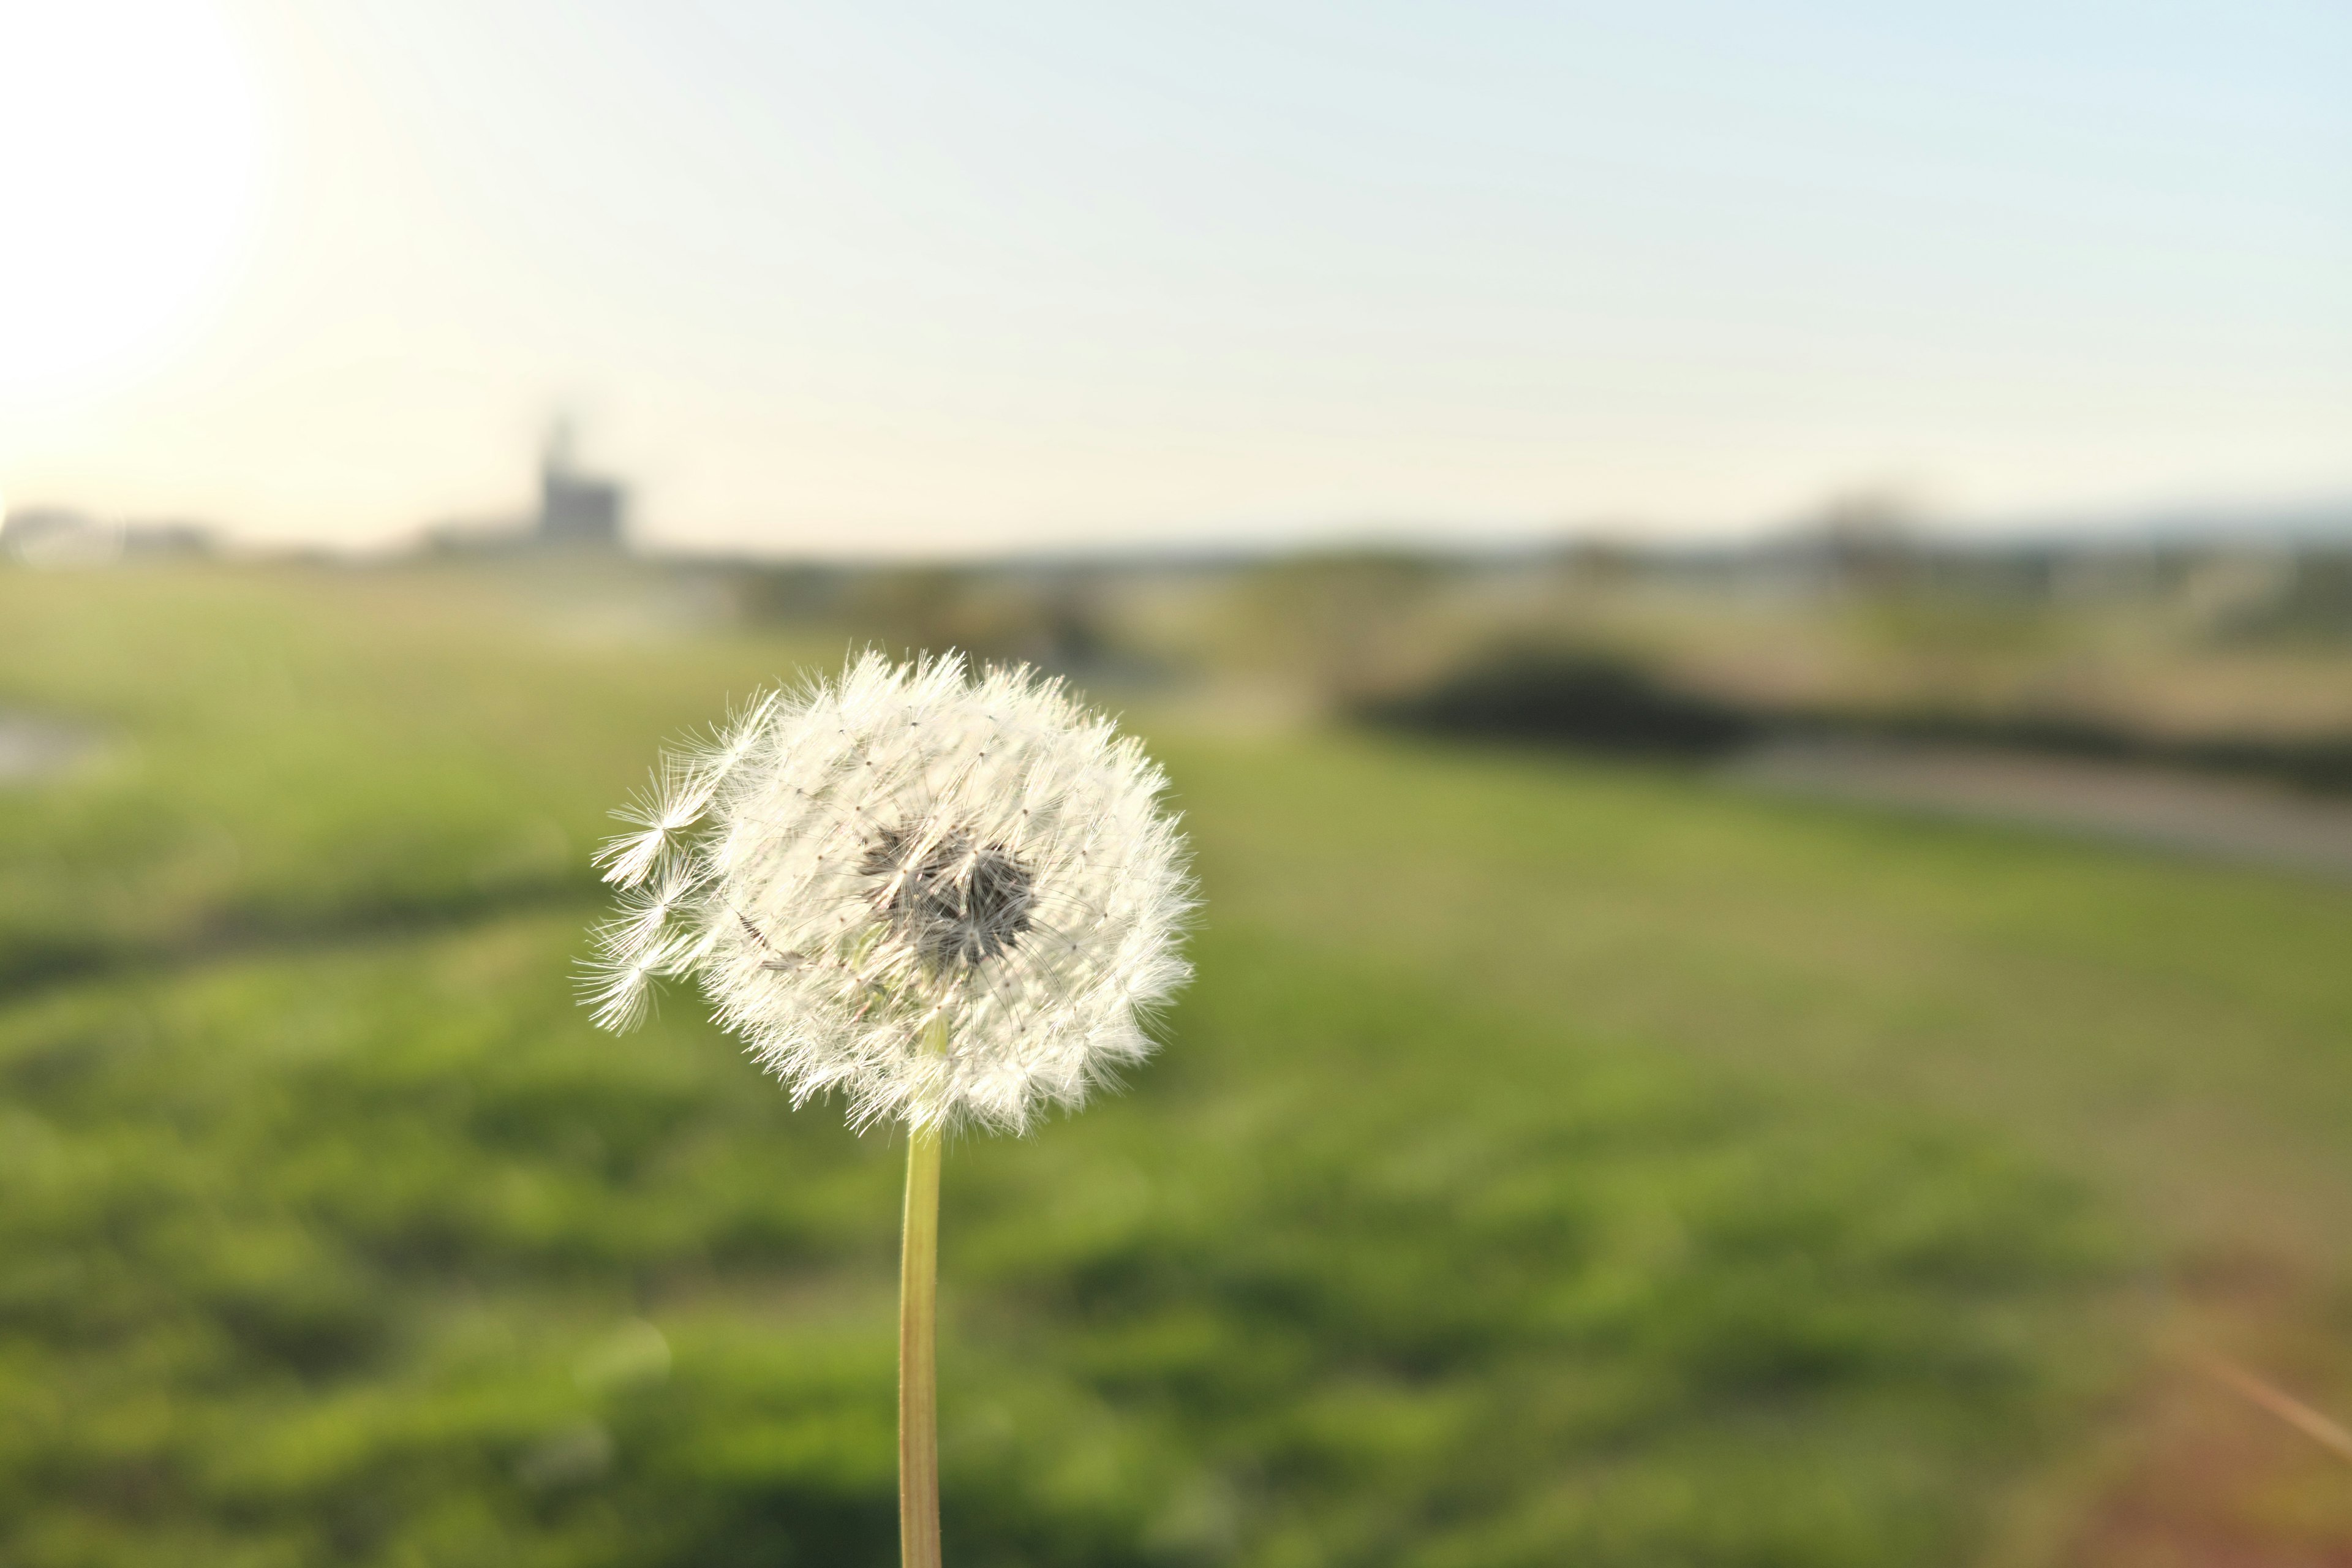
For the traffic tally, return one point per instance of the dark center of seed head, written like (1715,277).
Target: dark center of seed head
(956,900)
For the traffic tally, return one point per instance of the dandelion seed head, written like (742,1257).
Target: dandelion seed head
(956,902)
(913,854)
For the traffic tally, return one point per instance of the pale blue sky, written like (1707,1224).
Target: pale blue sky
(888,276)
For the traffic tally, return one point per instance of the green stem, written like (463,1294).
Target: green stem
(919,1317)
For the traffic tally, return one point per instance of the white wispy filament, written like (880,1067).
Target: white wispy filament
(953,897)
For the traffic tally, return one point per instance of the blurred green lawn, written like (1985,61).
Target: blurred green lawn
(1553,1162)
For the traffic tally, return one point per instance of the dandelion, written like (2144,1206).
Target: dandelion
(953,897)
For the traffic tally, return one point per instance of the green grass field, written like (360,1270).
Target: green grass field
(1553,1162)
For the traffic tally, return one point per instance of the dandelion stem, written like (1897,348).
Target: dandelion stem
(919,1316)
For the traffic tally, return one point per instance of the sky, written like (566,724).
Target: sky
(894,276)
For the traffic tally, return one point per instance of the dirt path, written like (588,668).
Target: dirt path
(2195,813)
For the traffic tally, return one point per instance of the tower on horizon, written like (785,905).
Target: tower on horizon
(577,510)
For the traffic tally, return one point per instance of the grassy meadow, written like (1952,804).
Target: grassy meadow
(1553,1161)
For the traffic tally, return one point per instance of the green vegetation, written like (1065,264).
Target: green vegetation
(1553,1162)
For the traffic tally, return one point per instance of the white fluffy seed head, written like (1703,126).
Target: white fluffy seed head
(954,897)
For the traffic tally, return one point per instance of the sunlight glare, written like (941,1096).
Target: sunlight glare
(129,151)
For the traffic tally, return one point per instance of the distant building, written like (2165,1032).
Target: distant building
(68,536)
(576,510)
(579,513)
(58,536)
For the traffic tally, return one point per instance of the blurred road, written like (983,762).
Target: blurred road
(2240,820)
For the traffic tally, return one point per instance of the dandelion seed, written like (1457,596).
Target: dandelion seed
(682,788)
(619,984)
